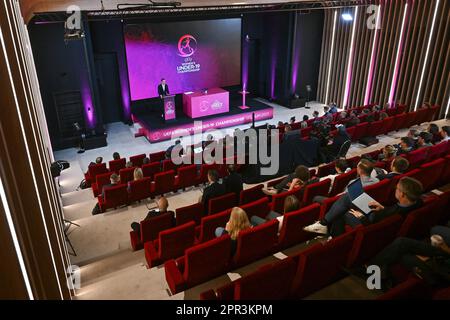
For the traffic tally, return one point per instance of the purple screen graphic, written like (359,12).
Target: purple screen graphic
(190,55)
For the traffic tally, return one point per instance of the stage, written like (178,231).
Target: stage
(155,130)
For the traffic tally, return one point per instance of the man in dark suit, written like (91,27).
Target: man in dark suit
(398,166)
(215,189)
(162,204)
(114,181)
(233,182)
(163,90)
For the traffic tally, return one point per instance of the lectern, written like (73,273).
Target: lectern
(169,108)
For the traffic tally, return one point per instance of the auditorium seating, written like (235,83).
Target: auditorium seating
(115,196)
(186,176)
(341,181)
(260,208)
(186,214)
(199,264)
(209,224)
(93,171)
(150,169)
(379,190)
(116,165)
(164,183)
(370,240)
(137,160)
(321,264)
(126,175)
(157,156)
(139,190)
(437,151)
(150,229)
(413,288)
(203,176)
(101,180)
(256,243)
(291,232)
(326,170)
(219,204)
(251,194)
(315,189)
(417,157)
(170,244)
(277,204)
(418,223)
(168,165)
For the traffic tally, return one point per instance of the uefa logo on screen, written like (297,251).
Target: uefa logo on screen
(187,45)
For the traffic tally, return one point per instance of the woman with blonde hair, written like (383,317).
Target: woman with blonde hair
(238,222)
(138,174)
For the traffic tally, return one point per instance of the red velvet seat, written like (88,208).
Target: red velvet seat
(260,208)
(375,128)
(277,204)
(126,175)
(270,282)
(291,232)
(321,265)
(139,190)
(251,194)
(320,188)
(150,229)
(445,178)
(186,214)
(101,180)
(400,121)
(380,190)
(186,176)
(417,157)
(170,244)
(164,183)
(433,113)
(370,240)
(418,223)
(351,131)
(341,181)
(353,161)
(422,115)
(255,243)
(360,131)
(157,156)
(326,170)
(411,289)
(274,182)
(209,224)
(219,204)
(431,173)
(150,169)
(203,176)
(116,165)
(388,125)
(326,205)
(137,160)
(168,165)
(93,171)
(200,263)
(410,119)
(115,196)
(305,132)
(437,151)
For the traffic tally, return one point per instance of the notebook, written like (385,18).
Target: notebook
(359,198)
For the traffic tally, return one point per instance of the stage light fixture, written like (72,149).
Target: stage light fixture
(347,16)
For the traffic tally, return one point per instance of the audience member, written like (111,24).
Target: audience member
(162,205)
(304,123)
(424,140)
(129,164)
(343,204)
(116,156)
(114,180)
(332,149)
(213,190)
(383,115)
(445,133)
(146,160)
(237,223)
(340,166)
(333,108)
(406,145)
(388,154)
(398,166)
(169,150)
(233,182)
(315,114)
(433,129)
(291,203)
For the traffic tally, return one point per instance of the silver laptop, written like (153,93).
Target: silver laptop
(359,198)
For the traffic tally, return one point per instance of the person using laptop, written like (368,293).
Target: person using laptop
(344,203)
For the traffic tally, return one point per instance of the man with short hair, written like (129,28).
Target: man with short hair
(406,145)
(116,156)
(343,204)
(213,190)
(424,140)
(162,205)
(114,181)
(398,166)
(445,133)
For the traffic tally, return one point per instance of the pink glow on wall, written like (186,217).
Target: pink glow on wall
(350,62)
(372,60)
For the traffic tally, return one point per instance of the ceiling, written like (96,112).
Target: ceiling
(31,7)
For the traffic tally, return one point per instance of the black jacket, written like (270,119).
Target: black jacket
(377,216)
(233,183)
(212,191)
(163,92)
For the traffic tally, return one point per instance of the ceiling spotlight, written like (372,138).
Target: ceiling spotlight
(347,17)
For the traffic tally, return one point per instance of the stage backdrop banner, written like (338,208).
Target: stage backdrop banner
(191,56)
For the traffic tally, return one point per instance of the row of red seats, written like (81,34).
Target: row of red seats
(415,288)
(298,276)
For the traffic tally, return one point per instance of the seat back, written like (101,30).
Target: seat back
(126,175)
(164,182)
(187,176)
(270,282)
(375,128)
(326,170)
(150,169)
(353,161)
(173,242)
(251,194)
(388,125)
(431,173)
(380,190)
(400,121)
(157,156)
(219,204)
(260,208)
(140,189)
(417,157)
(255,243)
(151,228)
(329,258)
(96,169)
(418,223)
(115,196)
(116,165)
(341,181)
(101,180)
(189,213)
(369,241)
(137,160)
(203,177)
(437,151)
(360,131)
(206,261)
(291,232)
(278,200)
(210,223)
(168,165)
(320,188)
